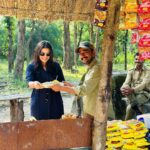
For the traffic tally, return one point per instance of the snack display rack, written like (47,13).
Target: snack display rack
(134,16)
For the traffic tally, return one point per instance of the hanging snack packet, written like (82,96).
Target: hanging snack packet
(101,5)
(144,10)
(143,1)
(122,25)
(145,55)
(131,7)
(131,21)
(130,1)
(144,24)
(100,12)
(99,18)
(143,49)
(144,41)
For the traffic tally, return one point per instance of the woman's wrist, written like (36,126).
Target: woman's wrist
(32,84)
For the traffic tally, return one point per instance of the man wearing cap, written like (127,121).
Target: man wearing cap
(136,88)
(89,87)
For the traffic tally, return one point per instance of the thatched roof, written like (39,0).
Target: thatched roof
(81,10)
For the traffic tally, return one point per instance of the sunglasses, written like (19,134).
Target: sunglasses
(44,54)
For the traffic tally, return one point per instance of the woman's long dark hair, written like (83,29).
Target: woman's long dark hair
(39,47)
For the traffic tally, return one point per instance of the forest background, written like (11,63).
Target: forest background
(19,38)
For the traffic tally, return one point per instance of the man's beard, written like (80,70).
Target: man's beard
(89,61)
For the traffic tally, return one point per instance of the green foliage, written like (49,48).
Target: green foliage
(3,39)
(44,31)
(3,66)
(6,23)
(74,77)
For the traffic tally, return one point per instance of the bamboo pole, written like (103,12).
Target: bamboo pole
(104,95)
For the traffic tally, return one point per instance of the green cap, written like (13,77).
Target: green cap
(85,45)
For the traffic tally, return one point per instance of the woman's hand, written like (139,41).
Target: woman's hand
(35,85)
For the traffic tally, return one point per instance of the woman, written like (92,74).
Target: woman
(45,103)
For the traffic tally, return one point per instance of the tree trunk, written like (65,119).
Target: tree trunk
(28,43)
(97,47)
(104,95)
(75,44)
(10,51)
(67,61)
(125,49)
(16,111)
(80,33)
(9,22)
(18,73)
(91,33)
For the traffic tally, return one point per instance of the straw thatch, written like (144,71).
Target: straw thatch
(71,10)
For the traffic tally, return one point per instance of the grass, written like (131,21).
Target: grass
(74,77)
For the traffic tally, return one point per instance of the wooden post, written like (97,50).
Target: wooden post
(16,110)
(104,95)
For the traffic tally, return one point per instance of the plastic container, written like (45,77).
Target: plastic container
(146,118)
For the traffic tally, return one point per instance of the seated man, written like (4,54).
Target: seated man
(136,88)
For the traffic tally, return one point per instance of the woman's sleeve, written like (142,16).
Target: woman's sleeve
(60,75)
(30,73)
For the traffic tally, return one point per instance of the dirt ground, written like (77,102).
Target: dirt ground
(5,109)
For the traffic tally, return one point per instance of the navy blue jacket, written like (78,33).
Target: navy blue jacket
(45,103)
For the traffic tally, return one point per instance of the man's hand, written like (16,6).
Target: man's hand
(67,84)
(127,91)
(56,87)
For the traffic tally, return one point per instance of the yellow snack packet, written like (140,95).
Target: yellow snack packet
(131,7)
(127,135)
(140,140)
(129,146)
(140,134)
(126,131)
(142,144)
(131,21)
(113,134)
(124,141)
